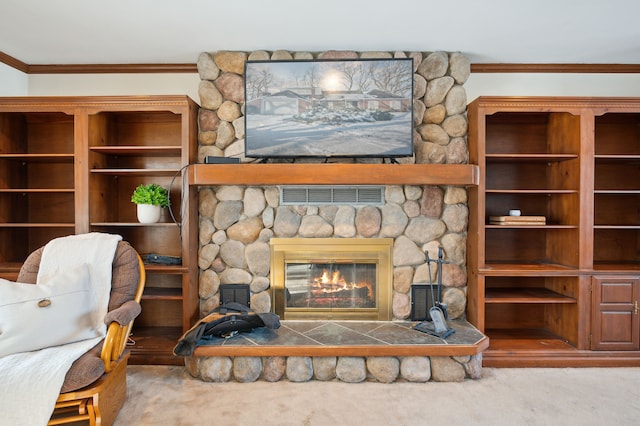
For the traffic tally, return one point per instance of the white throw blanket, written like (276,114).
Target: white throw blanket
(30,382)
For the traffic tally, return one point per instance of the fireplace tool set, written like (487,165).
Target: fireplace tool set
(436,322)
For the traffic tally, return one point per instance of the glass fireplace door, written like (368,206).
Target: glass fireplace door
(330,285)
(331,278)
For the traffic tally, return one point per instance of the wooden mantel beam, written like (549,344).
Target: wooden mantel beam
(333,174)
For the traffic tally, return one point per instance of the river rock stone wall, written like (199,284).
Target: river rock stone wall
(350,369)
(236,224)
(439,101)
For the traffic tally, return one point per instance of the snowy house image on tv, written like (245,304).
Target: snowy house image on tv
(345,108)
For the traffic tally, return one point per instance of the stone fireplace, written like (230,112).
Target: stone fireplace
(332,278)
(243,229)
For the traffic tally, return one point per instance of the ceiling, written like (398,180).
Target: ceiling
(39,32)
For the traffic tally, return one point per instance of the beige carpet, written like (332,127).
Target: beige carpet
(161,395)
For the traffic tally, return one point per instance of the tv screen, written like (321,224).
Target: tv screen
(329,108)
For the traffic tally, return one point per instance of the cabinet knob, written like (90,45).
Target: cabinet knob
(635,307)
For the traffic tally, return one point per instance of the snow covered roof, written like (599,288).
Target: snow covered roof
(383,94)
(288,94)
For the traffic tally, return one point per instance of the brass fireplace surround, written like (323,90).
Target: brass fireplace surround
(333,250)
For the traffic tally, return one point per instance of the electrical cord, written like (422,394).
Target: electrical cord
(182,197)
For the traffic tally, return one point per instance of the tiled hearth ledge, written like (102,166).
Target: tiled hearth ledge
(348,351)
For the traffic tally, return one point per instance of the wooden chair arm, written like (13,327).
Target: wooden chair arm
(115,341)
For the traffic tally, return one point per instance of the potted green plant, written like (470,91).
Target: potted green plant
(150,200)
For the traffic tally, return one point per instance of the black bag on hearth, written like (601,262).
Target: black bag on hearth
(224,321)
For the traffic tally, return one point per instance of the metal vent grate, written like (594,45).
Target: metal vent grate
(350,195)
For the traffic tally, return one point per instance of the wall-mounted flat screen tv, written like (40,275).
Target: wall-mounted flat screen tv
(329,108)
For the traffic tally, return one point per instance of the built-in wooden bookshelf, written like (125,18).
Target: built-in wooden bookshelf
(551,294)
(70,164)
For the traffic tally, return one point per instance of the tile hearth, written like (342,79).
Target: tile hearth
(349,351)
(347,338)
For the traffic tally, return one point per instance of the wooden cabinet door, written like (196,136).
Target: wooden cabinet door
(615,321)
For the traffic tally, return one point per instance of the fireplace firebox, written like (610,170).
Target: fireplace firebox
(332,278)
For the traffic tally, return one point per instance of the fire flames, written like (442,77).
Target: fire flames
(333,283)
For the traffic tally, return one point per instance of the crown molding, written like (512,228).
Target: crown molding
(13,62)
(557,68)
(192,68)
(97,68)
(113,69)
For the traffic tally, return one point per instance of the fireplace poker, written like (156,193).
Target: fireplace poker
(440,261)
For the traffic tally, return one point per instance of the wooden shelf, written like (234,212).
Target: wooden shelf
(617,267)
(39,158)
(541,348)
(36,225)
(531,191)
(523,338)
(525,295)
(617,191)
(526,348)
(616,158)
(132,224)
(529,269)
(530,157)
(152,268)
(494,226)
(9,270)
(37,191)
(148,151)
(154,345)
(136,172)
(333,174)
(156,293)
(10,266)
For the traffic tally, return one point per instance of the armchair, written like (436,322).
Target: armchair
(94,388)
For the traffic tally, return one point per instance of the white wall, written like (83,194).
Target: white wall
(17,83)
(114,84)
(542,84)
(481,84)
(12,81)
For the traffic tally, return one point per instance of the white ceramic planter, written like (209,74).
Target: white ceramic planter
(148,213)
